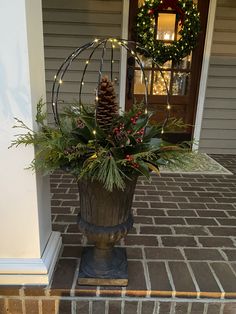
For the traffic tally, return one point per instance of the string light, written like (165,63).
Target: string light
(53,104)
(95,40)
(60,81)
(87,62)
(82,83)
(113,46)
(94,132)
(168,107)
(96,98)
(55,77)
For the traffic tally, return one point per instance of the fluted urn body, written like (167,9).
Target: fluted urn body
(105,217)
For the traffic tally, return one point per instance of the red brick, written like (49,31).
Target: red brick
(48,307)
(31,307)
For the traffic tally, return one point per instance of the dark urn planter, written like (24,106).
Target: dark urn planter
(105,217)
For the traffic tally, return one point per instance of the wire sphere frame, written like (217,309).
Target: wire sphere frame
(95,44)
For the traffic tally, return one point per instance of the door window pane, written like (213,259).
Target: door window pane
(180,83)
(139,81)
(160,81)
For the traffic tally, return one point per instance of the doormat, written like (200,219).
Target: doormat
(196,163)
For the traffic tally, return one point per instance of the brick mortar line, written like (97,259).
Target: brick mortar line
(205,309)
(217,281)
(146,273)
(194,279)
(107,307)
(169,275)
(76,273)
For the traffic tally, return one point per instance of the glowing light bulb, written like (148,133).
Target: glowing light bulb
(53,104)
(60,81)
(87,62)
(168,107)
(145,111)
(96,98)
(132,52)
(82,83)
(55,77)
(166,36)
(94,132)
(162,131)
(112,61)
(113,46)
(95,40)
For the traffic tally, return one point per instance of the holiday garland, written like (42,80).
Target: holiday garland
(186,14)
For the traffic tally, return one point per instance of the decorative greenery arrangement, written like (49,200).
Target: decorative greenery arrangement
(99,144)
(161,51)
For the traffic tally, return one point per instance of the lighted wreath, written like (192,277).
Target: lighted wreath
(187,16)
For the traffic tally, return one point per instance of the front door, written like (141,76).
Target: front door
(182,78)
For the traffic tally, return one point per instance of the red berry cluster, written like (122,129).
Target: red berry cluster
(135,118)
(130,159)
(118,129)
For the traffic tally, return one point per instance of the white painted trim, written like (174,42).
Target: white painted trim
(204,73)
(38,271)
(123,57)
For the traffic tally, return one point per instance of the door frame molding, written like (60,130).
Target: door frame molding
(123,57)
(204,74)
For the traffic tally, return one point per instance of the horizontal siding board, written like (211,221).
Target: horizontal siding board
(71,87)
(225,24)
(73,76)
(72,97)
(77,16)
(224,37)
(226,3)
(220,114)
(220,103)
(220,92)
(222,70)
(218,143)
(218,134)
(63,52)
(88,5)
(224,48)
(223,60)
(223,12)
(218,124)
(221,82)
(59,40)
(75,29)
(53,64)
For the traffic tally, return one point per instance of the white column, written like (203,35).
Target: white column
(28,247)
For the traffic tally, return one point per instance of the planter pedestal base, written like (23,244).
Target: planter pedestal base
(103,267)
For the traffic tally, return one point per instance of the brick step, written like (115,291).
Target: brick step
(76,305)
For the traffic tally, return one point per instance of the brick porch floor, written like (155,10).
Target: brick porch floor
(183,245)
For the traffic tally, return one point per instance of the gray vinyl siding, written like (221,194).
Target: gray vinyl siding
(218,134)
(68,24)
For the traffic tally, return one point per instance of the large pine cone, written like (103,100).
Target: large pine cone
(107,107)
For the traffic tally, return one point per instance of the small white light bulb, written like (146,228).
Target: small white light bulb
(60,81)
